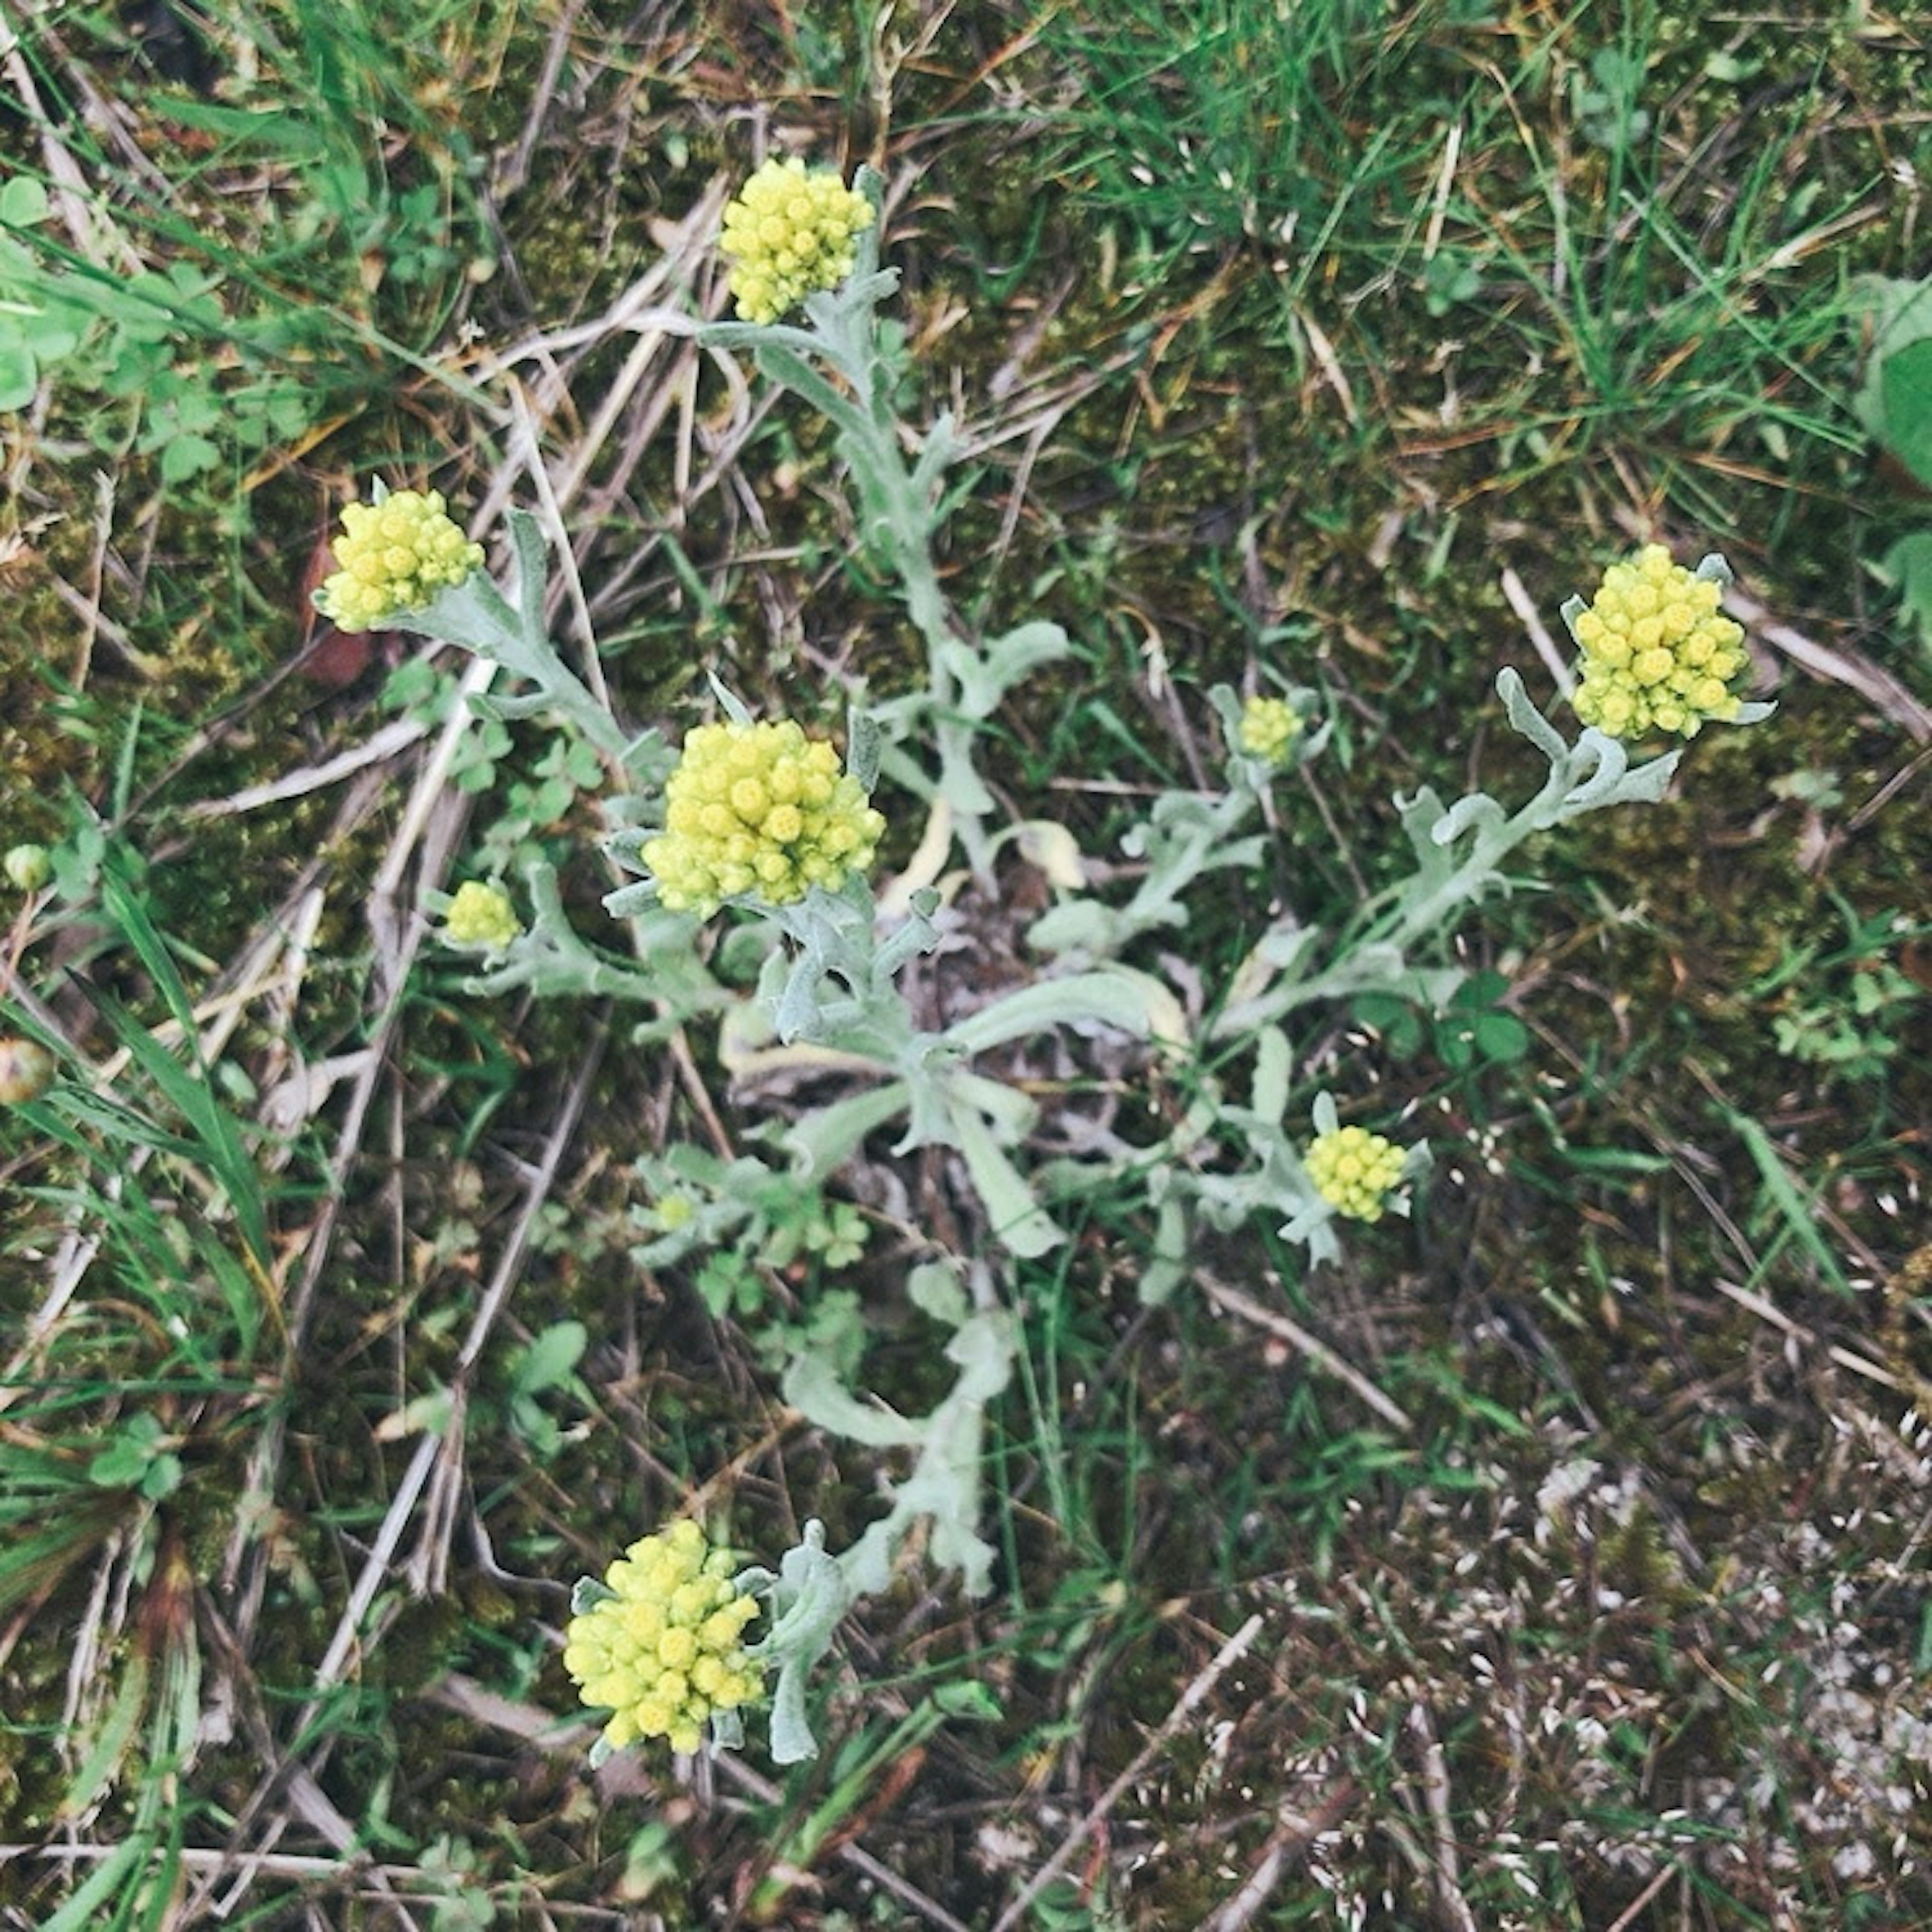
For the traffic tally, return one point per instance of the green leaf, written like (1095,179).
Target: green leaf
(187,456)
(968,1698)
(23,202)
(19,377)
(1904,319)
(120,1466)
(551,1357)
(1395,1020)
(81,1911)
(111,1743)
(1907,567)
(1905,390)
(1502,1037)
(164,1477)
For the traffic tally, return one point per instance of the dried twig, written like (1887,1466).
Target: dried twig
(1234,1303)
(1230,1653)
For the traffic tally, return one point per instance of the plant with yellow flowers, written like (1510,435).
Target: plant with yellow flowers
(770,835)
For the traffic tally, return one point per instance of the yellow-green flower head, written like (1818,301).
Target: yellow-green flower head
(1354,1170)
(789,232)
(1657,654)
(674,1212)
(664,1651)
(760,809)
(1269,726)
(26,1071)
(481,915)
(28,868)
(395,557)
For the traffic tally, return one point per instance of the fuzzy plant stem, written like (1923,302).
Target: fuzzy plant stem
(899,503)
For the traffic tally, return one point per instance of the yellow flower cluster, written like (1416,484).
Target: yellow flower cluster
(762,809)
(395,557)
(1353,1170)
(664,1652)
(481,915)
(789,232)
(1657,654)
(1269,726)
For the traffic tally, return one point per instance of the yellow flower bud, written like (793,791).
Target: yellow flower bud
(1656,656)
(394,557)
(28,868)
(789,232)
(26,1071)
(481,915)
(1354,1171)
(665,1651)
(724,834)
(1268,728)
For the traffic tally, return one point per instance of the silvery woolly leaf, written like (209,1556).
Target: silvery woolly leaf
(942,444)
(1476,811)
(811,1386)
(733,706)
(798,1010)
(862,748)
(984,680)
(532,555)
(1526,719)
(628,901)
(1019,1222)
(1097,998)
(1080,925)
(962,790)
(1274,1066)
(933,1288)
(587,1593)
(509,709)
(809,1598)
(1167,1265)
(1420,814)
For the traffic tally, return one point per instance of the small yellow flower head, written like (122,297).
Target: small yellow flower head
(481,915)
(1657,654)
(1353,1170)
(395,557)
(675,1211)
(26,1071)
(27,867)
(758,809)
(789,232)
(1269,726)
(665,1651)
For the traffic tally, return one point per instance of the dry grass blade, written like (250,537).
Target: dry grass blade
(1317,1351)
(1197,1689)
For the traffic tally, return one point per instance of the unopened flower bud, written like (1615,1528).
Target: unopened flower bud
(394,556)
(481,915)
(1355,1170)
(664,1649)
(26,1071)
(790,232)
(28,868)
